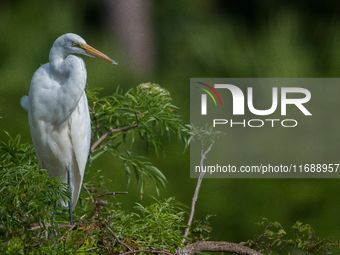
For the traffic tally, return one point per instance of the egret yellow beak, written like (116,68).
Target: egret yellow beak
(95,53)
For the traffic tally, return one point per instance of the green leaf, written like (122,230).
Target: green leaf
(128,173)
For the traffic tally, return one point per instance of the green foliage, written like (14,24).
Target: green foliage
(29,222)
(202,133)
(147,112)
(202,39)
(200,230)
(101,226)
(157,226)
(14,153)
(28,195)
(274,239)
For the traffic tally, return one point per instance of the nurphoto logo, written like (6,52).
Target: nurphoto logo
(238,106)
(264,127)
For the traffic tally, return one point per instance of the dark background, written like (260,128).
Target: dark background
(169,42)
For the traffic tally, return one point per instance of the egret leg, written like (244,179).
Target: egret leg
(70,193)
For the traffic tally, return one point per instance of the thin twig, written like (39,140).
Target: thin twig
(282,247)
(82,217)
(101,139)
(98,207)
(112,193)
(94,202)
(198,186)
(68,231)
(260,236)
(88,192)
(60,225)
(116,237)
(101,147)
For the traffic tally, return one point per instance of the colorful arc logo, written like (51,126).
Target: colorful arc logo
(204,97)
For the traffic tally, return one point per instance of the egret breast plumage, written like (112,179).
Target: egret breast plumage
(58,112)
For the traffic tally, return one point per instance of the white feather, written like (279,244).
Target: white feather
(24,102)
(58,112)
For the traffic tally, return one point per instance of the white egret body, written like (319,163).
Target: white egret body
(58,112)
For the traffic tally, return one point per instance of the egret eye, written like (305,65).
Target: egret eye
(75,44)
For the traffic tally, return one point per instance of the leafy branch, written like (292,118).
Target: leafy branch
(147,112)
(274,240)
(29,225)
(103,137)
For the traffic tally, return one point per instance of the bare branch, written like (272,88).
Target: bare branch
(101,147)
(101,139)
(147,251)
(260,236)
(60,225)
(88,192)
(212,246)
(116,237)
(282,247)
(198,186)
(111,193)
(66,233)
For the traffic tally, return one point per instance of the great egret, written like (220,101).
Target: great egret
(58,112)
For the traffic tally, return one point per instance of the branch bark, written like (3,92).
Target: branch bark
(212,246)
(116,237)
(146,251)
(197,190)
(102,138)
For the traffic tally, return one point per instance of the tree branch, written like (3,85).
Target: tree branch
(212,246)
(147,251)
(197,190)
(101,139)
(111,193)
(101,147)
(116,237)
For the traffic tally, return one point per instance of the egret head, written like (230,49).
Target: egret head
(74,44)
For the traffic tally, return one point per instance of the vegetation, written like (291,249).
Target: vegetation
(148,107)
(30,222)
(201,39)
(275,239)
(28,195)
